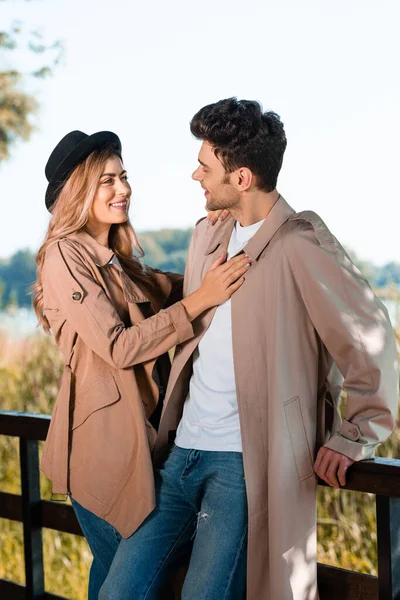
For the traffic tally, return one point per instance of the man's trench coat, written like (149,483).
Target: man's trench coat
(303,310)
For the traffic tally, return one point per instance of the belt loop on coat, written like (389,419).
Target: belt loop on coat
(62,442)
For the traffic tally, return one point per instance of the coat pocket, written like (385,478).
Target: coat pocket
(298,439)
(101,393)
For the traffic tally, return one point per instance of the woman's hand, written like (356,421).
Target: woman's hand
(214,216)
(221,281)
(223,278)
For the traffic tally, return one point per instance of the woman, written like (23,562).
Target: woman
(102,306)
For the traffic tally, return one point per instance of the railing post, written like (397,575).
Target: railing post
(31,514)
(388,529)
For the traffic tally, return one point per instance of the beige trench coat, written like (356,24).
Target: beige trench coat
(303,306)
(100,439)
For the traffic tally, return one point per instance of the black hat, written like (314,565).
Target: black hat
(72,150)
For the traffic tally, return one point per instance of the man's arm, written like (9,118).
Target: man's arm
(355,328)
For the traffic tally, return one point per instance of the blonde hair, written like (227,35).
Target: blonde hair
(69,215)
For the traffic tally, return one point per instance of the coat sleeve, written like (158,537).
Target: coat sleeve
(70,288)
(355,328)
(176,293)
(176,282)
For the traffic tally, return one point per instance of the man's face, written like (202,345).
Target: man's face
(219,191)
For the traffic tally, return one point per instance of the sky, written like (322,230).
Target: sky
(142,69)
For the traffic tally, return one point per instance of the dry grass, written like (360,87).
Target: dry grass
(29,375)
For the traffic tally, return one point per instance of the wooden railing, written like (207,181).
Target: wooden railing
(380,477)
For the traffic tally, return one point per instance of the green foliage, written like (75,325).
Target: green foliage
(378,277)
(166,249)
(16,105)
(2,291)
(389,274)
(16,276)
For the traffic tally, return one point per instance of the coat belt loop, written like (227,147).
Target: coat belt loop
(60,480)
(62,443)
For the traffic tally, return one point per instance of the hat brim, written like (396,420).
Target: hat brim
(73,159)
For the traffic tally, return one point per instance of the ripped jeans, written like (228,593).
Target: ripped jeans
(202,507)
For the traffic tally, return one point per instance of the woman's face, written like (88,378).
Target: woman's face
(111,202)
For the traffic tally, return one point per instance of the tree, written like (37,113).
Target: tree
(16,276)
(2,290)
(368,269)
(166,249)
(389,274)
(16,105)
(12,302)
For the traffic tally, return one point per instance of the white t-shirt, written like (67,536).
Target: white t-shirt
(210,419)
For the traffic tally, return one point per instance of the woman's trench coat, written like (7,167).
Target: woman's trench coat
(100,439)
(303,305)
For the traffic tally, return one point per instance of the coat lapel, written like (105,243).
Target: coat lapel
(139,305)
(221,236)
(134,295)
(279,214)
(219,242)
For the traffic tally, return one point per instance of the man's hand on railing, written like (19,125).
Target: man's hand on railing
(331,466)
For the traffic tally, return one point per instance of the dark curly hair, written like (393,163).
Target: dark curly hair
(242,135)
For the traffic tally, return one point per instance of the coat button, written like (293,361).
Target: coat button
(76,296)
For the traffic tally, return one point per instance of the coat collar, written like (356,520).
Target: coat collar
(101,257)
(100,254)
(279,214)
(132,292)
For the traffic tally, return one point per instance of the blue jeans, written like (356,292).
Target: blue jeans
(103,540)
(201,503)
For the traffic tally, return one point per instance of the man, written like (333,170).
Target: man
(247,395)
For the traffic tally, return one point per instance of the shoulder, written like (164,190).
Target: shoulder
(305,228)
(201,230)
(202,220)
(65,248)
(59,246)
(308,243)
(202,227)
(66,256)
(205,231)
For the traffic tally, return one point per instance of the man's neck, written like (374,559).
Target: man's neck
(254,207)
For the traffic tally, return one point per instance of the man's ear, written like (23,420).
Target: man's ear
(244,179)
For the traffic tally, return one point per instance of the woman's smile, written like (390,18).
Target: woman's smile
(121,205)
